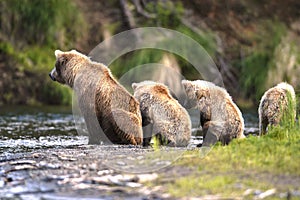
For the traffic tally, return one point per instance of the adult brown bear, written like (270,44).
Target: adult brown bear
(107,107)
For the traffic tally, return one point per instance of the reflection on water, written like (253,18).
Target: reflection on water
(251,122)
(27,128)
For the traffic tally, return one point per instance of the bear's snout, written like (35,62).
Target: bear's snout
(53,79)
(187,104)
(52,76)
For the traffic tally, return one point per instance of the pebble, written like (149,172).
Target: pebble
(2,182)
(20,162)
(266,194)
(101,180)
(22,167)
(66,157)
(140,157)
(121,163)
(44,164)
(257,192)
(296,193)
(21,189)
(105,172)
(93,166)
(248,192)
(36,155)
(132,184)
(118,180)
(142,178)
(72,181)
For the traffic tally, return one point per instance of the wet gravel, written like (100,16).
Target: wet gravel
(82,172)
(43,157)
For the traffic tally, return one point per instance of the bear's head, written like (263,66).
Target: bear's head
(150,87)
(147,93)
(66,66)
(198,92)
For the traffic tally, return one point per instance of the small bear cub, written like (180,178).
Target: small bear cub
(277,102)
(169,119)
(219,115)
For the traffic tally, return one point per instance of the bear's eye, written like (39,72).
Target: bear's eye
(199,95)
(57,66)
(63,61)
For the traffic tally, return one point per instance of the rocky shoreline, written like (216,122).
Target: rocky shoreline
(101,172)
(81,172)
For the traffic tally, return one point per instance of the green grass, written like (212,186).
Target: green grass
(31,22)
(30,31)
(35,63)
(260,58)
(200,185)
(254,163)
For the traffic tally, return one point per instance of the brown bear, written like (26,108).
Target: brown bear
(274,104)
(110,112)
(169,119)
(219,115)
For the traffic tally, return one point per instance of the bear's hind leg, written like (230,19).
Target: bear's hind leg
(128,127)
(147,134)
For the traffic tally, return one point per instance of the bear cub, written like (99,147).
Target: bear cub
(169,119)
(277,102)
(219,115)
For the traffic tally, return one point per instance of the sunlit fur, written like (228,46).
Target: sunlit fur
(159,108)
(102,100)
(273,104)
(217,109)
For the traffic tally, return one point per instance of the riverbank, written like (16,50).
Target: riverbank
(82,172)
(43,157)
(252,168)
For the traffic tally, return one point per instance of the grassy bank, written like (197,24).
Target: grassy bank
(256,163)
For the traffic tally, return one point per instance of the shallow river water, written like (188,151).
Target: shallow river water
(27,128)
(42,156)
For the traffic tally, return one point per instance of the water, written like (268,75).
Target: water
(43,157)
(27,128)
(251,122)
(24,129)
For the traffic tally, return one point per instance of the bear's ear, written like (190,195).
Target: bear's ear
(186,84)
(162,90)
(62,59)
(58,53)
(74,51)
(134,86)
(199,94)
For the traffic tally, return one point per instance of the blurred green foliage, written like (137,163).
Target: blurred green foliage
(168,15)
(260,58)
(134,59)
(30,32)
(35,22)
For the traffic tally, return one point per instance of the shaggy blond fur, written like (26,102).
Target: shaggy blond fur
(218,113)
(274,104)
(106,105)
(159,108)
